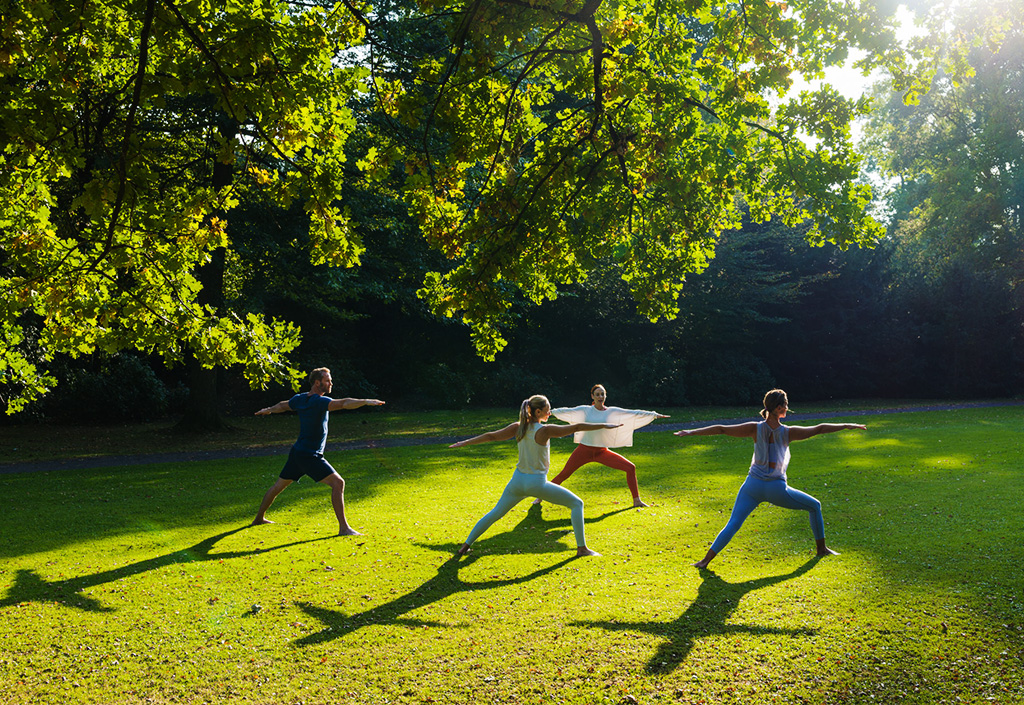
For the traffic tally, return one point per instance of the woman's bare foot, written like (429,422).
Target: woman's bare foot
(824,550)
(638,503)
(348,531)
(582,551)
(536,501)
(464,549)
(260,520)
(703,562)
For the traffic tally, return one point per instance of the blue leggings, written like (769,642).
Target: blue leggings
(777,492)
(523,485)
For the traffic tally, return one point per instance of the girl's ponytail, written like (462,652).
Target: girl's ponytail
(524,419)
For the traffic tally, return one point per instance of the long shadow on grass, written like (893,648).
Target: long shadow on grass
(445,584)
(28,586)
(706,616)
(533,534)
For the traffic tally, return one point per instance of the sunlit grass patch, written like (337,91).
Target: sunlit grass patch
(144,584)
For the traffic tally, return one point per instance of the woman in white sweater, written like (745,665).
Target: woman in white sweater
(593,445)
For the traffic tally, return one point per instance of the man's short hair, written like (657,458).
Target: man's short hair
(318,374)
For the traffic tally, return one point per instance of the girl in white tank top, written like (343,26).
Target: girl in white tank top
(530,477)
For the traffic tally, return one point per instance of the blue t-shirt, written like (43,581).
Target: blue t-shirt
(313,412)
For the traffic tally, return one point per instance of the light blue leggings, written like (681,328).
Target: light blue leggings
(523,485)
(777,492)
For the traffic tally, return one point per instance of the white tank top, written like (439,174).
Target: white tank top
(770,448)
(534,459)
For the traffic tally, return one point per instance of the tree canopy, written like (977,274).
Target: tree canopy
(536,143)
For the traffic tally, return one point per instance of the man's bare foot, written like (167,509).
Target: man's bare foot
(638,503)
(464,549)
(260,520)
(349,531)
(582,551)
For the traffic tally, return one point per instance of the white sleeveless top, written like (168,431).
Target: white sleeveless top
(770,446)
(534,459)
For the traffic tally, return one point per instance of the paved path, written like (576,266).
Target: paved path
(104,461)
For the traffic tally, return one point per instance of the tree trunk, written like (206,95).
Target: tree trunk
(202,410)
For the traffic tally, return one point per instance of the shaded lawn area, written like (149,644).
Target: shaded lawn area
(143,583)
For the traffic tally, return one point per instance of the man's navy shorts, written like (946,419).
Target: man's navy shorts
(305,463)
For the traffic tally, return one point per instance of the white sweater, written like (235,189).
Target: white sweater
(621,437)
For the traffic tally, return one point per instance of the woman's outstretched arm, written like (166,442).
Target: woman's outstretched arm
(802,433)
(502,434)
(742,430)
(558,431)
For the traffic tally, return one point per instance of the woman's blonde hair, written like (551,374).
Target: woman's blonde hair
(772,401)
(526,411)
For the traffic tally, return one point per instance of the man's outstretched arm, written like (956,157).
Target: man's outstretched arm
(349,403)
(278,408)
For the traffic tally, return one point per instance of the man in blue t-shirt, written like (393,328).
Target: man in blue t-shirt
(307,455)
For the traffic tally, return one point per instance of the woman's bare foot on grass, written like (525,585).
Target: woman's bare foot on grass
(464,549)
(260,520)
(349,531)
(824,550)
(703,562)
(638,503)
(582,551)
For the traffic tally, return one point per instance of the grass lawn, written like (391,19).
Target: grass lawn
(143,583)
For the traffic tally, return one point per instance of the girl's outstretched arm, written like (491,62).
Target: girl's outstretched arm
(502,434)
(552,431)
(742,430)
(801,433)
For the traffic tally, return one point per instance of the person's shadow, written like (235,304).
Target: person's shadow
(533,534)
(28,586)
(446,583)
(707,615)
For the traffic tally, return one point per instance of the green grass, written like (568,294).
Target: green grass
(140,584)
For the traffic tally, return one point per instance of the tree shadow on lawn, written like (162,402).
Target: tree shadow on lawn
(445,584)
(29,587)
(706,616)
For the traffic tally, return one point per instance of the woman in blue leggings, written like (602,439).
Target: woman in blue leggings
(530,478)
(766,481)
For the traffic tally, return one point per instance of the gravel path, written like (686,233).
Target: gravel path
(103,461)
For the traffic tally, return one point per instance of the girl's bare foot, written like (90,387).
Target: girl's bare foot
(638,503)
(536,501)
(463,550)
(582,551)
(348,531)
(260,520)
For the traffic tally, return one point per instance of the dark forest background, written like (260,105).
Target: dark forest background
(934,310)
